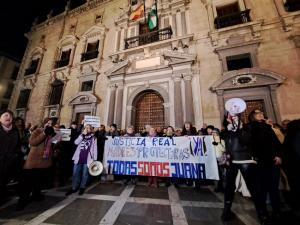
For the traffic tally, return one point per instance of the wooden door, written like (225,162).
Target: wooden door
(252,105)
(80,116)
(149,111)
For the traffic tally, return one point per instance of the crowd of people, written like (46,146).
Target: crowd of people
(263,151)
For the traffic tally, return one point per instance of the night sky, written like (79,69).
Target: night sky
(16,18)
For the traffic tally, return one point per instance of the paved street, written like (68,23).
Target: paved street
(113,203)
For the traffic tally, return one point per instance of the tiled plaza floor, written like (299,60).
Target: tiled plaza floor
(113,203)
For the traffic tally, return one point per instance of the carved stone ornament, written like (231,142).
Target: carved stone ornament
(244,79)
(30,82)
(61,75)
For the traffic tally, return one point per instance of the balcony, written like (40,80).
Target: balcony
(232,19)
(30,70)
(89,55)
(154,36)
(292,5)
(62,63)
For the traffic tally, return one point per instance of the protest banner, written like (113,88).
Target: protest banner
(94,121)
(66,134)
(181,157)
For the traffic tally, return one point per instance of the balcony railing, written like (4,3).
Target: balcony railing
(292,5)
(232,19)
(89,55)
(62,63)
(154,36)
(30,70)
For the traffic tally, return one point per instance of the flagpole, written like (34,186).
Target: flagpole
(145,20)
(156,14)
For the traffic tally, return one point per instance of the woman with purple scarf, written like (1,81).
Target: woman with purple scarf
(85,154)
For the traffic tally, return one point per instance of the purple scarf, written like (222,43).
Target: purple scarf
(85,147)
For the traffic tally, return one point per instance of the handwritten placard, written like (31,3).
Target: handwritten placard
(94,121)
(65,134)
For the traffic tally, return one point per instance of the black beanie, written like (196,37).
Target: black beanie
(2,111)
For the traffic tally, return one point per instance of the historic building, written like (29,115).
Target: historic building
(9,67)
(94,60)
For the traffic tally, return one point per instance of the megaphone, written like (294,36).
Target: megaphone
(235,106)
(95,168)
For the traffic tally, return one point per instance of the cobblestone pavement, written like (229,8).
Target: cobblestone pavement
(113,203)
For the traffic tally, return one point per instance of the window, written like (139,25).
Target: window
(92,46)
(230,15)
(23,98)
(91,51)
(64,59)
(14,74)
(87,85)
(228,9)
(144,28)
(239,62)
(292,5)
(56,92)
(9,91)
(33,67)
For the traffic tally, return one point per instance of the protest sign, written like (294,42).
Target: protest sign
(66,134)
(94,121)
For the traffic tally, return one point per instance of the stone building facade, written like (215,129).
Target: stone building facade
(9,67)
(94,60)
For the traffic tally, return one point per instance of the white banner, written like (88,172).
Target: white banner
(94,121)
(181,157)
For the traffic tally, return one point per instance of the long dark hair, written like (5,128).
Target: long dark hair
(251,117)
(192,128)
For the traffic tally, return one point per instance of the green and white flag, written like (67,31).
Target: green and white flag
(152,17)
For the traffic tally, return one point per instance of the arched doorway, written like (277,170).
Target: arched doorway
(149,110)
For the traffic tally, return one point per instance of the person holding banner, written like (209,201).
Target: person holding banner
(133,179)
(189,130)
(84,155)
(170,133)
(113,132)
(152,179)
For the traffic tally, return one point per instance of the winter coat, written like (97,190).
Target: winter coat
(101,138)
(92,155)
(35,159)
(237,144)
(264,143)
(10,152)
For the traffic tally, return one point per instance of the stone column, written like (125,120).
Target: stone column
(221,103)
(273,89)
(178,24)
(122,37)
(189,104)
(119,105)
(280,7)
(187,20)
(210,14)
(111,107)
(117,40)
(178,101)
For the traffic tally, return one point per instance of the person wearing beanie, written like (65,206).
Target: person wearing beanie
(10,151)
(113,132)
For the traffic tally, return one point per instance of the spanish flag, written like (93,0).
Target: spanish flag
(137,12)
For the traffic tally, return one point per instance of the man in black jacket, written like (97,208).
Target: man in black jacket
(10,151)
